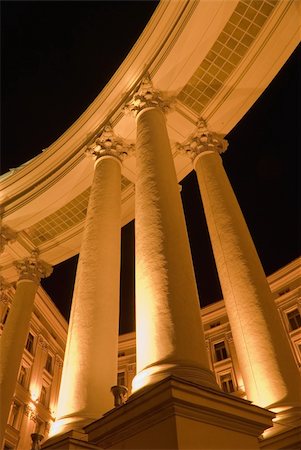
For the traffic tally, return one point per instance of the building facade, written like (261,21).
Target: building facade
(35,400)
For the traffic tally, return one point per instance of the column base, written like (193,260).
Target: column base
(159,372)
(63,426)
(177,414)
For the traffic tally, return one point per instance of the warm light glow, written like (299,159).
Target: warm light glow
(32,406)
(34,394)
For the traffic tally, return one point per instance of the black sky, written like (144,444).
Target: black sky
(56,58)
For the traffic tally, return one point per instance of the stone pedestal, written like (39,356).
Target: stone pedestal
(176,414)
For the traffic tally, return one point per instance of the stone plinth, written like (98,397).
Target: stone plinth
(176,414)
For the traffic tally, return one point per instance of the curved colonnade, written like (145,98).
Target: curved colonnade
(172,59)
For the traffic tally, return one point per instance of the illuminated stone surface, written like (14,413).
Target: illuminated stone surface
(90,364)
(269,371)
(168,332)
(14,335)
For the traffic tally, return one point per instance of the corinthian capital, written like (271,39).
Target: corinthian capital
(109,144)
(147,97)
(6,235)
(33,268)
(203,140)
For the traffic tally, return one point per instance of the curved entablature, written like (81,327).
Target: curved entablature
(215,58)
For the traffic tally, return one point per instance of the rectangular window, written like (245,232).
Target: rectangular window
(29,343)
(48,365)
(220,351)
(43,396)
(14,415)
(5,315)
(294,319)
(121,378)
(22,376)
(8,447)
(227,383)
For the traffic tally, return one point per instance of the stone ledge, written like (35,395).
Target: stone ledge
(181,405)
(73,440)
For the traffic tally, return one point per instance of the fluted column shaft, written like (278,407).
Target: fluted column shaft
(269,372)
(169,335)
(16,329)
(90,364)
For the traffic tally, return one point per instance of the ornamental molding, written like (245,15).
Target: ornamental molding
(109,144)
(229,337)
(30,412)
(148,97)
(58,361)
(201,141)
(43,343)
(32,268)
(131,368)
(6,235)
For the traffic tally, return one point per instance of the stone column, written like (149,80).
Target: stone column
(168,327)
(15,331)
(269,372)
(90,364)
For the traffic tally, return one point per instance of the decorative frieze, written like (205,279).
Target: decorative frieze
(203,140)
(147,97)
(6,235)
(109,144)
(32,268)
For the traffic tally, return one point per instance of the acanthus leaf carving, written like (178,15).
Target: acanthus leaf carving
(203,140)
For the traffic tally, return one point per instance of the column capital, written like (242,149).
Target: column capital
(32,268)
(6,235)
(147,97)
(108,144)
(4,291)
(203,140)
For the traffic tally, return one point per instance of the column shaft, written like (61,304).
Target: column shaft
(90,365)
(13,341)
(168,326)
(270,375)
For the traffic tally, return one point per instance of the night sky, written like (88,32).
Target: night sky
(57,57)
